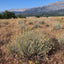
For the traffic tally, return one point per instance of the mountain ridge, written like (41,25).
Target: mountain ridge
(49,9)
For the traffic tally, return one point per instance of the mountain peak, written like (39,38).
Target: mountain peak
(53,8)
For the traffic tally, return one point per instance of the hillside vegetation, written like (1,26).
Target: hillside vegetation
(32,40)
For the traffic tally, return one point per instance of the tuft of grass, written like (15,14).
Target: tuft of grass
(20,22)
(37,26)
(41,22)
(30,23)
(4,22)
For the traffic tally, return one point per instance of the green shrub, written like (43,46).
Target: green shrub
(1,16)
(20,16)
(57,26)
(7,15)
(31,45)
(30,23)
(37,26)
(41,22)
(38,16)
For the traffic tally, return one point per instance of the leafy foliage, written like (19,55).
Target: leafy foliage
(7,15)
(38,16)
(1,16)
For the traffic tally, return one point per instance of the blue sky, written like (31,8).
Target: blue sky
(16,4)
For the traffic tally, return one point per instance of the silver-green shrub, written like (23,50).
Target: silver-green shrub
(57,25)
(31,45)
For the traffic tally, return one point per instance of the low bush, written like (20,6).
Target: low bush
(31,45)
(47,25)
(20,16)
(38,16)
(57,26)
(42,22)
(31,23)
(37,26)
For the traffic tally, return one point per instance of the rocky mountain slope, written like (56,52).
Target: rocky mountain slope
(53,9)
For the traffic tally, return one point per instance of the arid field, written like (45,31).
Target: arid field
(32,40)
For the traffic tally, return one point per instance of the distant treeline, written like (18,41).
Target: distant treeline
(8,15)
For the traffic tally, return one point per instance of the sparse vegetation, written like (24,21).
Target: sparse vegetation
(32,40)
(31,45)
(37,26)
(42,22)
(57,26)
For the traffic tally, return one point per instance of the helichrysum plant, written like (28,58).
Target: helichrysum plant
(31,45)
(57,25)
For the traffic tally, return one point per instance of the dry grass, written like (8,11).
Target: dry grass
(11,28)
